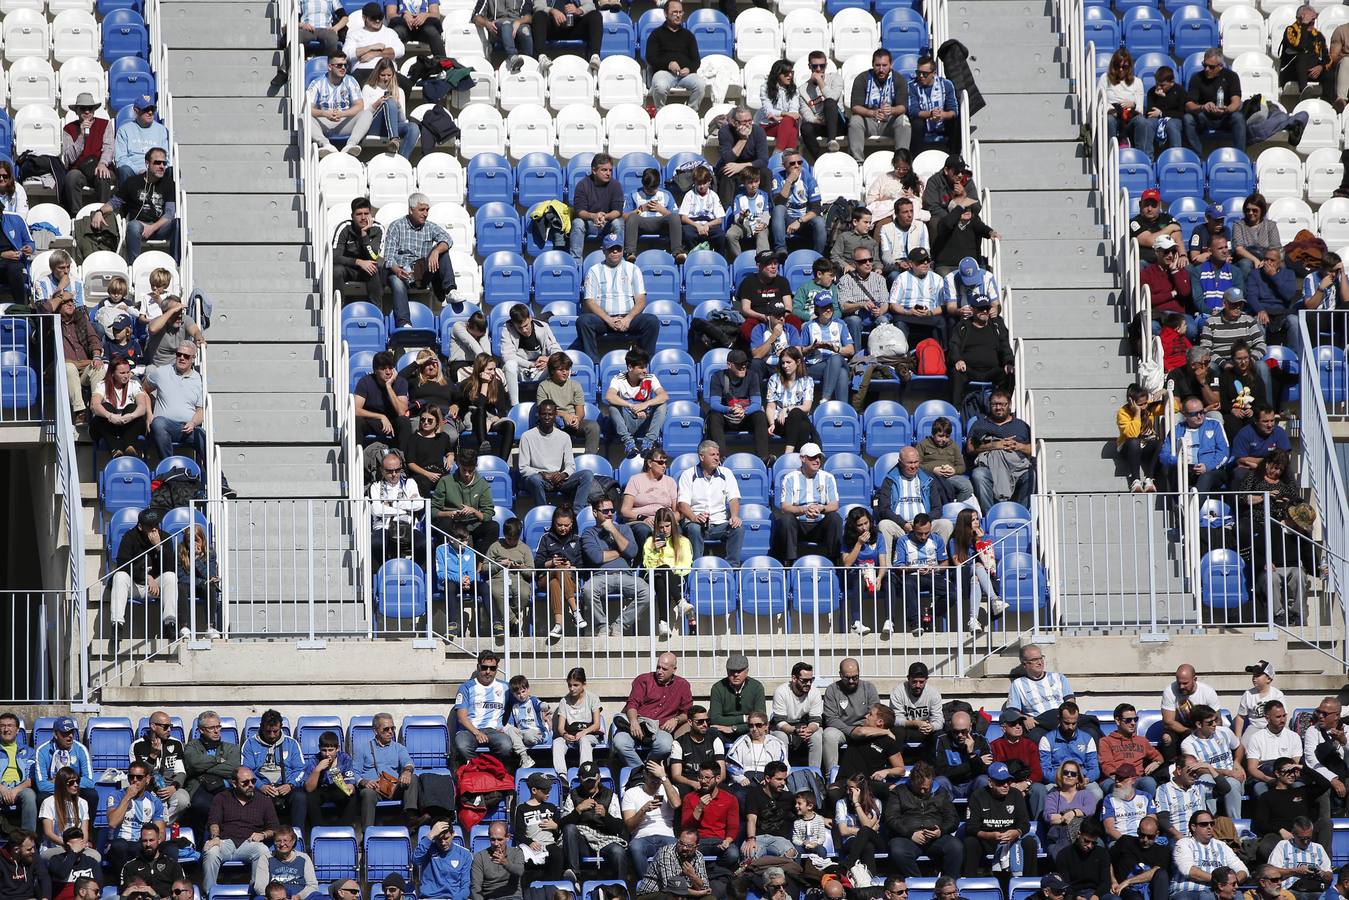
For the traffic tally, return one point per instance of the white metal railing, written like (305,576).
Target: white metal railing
(72,520)
(34,361)
(47,658)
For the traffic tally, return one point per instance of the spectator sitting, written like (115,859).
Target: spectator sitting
(761,296)
(1125,807)
(595,807)
(715,814)
(959,235)
(999,824)
(1139,441)
(968,284)
(330,777)
(1003,466)
(774,337)
(1214,745)
(64,813)
(1169,282)
(241,823)
(279,764)
(1258,439)
(695,748)
(567,20)
(464,498)
(509,25)
(1204,445)
(1066,743)
(751,752)
(1139,860)
(807,509)
(610,546)
(637,404)
(962,756)
(1165,105)
(72,875)
(416,255)
(649,805)
(211,763)
(443,866)
(780,106)
(933,108)
(926,565)
(598,205)
(701,213)
(877,102)
(87,153)
(511,587)
(337,106)
(1251,709)
(481,709)
(709,504)
(857,816)
(1194,379)
(1067,805)
(828,347)
(1241,390)
(576,721)
(1214,278)
(1084,863)
(1126,118)
(735,402)
(1272,290)
(1022,757)
(537,829)
(373,41)
(1214,105)
(566,393)
(749,214)
(143,569)
(862,295)
(1254,235)
(1231,324)
(480,402)
(1264,747)
(136,138)
(1201,247)
(651,209)
(888,188)
(1150,224)
(733,698)
(1125,746)
(906,493)
(291,871)
(821,99)
(951,187)
(147,203)
(417,20)
(155,862)
(742,145)
(527,719)
(1176,343)
(921,820)
(647,493)
(169,329)
(672,54)
(866,561)
(797,211)
(1304,58)
(395,505)
(386,103)
(769,813)
(559,554)
(798,713)
(496,871)
(356,251)
(381,399)
(979,350)
(1197,858)
(1284,801)
(899,237)
(858,235)
(383,759)
(791,394)
(614,297)
(163,756)
(974,555)
(916,299)
(546,462)
(428,387)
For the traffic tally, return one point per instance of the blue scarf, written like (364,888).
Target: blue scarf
(879,95)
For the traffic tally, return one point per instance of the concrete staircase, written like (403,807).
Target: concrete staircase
(275,425)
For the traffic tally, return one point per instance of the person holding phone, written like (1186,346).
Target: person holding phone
(669,556)
(649,804)
(916,299)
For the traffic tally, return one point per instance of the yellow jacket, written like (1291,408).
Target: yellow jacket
(1131,426)
(677,554)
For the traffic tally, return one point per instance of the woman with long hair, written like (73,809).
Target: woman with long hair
(791,394)
(1124,92)
(647,493)
(780,106)
(481,403)
(866,565)
(1273,476)
(429,449)
(669,556)
(1139,442)
(559,554)
(858,817)
(1253,235)
(576,722)
(197,564)
(121,409)
(388,108)
(973,553)
(65,808)
(427,383)
(1066,805)
(13,198)
(888,187)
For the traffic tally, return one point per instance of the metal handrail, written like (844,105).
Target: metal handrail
(72,505)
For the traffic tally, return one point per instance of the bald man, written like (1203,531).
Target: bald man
(658,705)
(1179,698)
(846,703)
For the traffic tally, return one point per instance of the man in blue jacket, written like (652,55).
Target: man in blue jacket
(279,763)
(1274,295)
(443,865)
(906,492)
(1067,743)
(796,205)
(64,750)
(1204,445)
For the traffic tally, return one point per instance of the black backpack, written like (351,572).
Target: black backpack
(838,217)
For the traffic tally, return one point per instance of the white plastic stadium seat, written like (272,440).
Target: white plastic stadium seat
(53,215)
(878,162)
(147,262)
(1290,216)
(462,37)
(81,75)
(1280,17)
(456,220)
(929,163)
(856,33)
(757,32)
(529,129)
(390,178)
(579,130)
(786,7)
(621,82)
(803,31)
(721,74)
(1323,126)
(56,6)
(8,6)
(441,178)
(1243,31)
(1332,221)
(522,87)
(838,175)
(1257,74)
(570,82)
(100,267)
(75,33)
(341,178)
(710,117)
(31,81)
(1332,17)
(484,88)
(629,130)
(678,129)
(1278,171)
(1221,6)
(27,35)
(467,275)
(389,213)
(37,128)
(851,67)
(1324,173)
(482,130)
(755,77)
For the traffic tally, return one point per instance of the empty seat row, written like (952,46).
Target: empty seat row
(1144,29)
(1178,172)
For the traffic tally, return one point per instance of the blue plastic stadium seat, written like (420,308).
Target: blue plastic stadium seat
(584,371)
(1101,26)
(561,316)
(814,588)
(420,330)
(1330,365)
(497,473)
(797,269)
(109,741)
(1180,173)
(852,475)
(1193,30)
(128,78)
(124,34)
(1136,172)
(427,741)
(387,851)
(682,430)
(757,523)
(498,227)
(1022,582)
(1230,173)
(674,322)
(617,36)
(506,277)
(661,275)
(763,587)
(18,390)
(363,327)
(1222,580)
(712,31)
(1188,213)
(707,276)
(400,590)
(1289,363)
(124,483)
(1008,525)
(839,427)
(713,586)
(904,31)
(751,476)
(677,372)
(556,277)
(885,424)
(538,177)
(1145,31)
(491,179)
(537,520)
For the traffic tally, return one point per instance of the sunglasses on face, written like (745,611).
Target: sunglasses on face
(245,782)
(817,67)
(484,667)
(701,721)
(1132,720)
(184,355)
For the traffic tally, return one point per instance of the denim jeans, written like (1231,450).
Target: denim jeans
(771,845)
(1233,123)
(498,743)
(832,375)
(664,81)
(577,485)
(659,748)
(813,231)
(1146,139)
(581,231)
(633,431)
(389,122)
(227,851)
(515,42)
(983,487)
(644,331)
(164,432)
(441,282)
(733,539)
(135,235)
(643,848)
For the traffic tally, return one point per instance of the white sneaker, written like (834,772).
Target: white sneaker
(595,61)
(887,628)
(544,64)
(860,629)
(580,622)
(326,150)
(1149,486)
(682,609)
(1135,486)
(353,148)
(997,606)
(185,633)
(602,631)
(974,625)
(213,635)
(556,632)
(663,630)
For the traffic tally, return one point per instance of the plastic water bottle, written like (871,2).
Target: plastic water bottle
(1222,97)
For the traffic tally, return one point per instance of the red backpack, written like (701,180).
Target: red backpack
(931,359)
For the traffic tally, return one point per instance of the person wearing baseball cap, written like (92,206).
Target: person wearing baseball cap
(980,349)
(828,346)
(1214,225)
(733,698)
(1251,707)
(735,404)
(916,299)
(138,572)
(1022,757)
(1230,326)
(1052,887)
(614,296)
(538,824)
(953,186)
(137,137)
(594,804)
(1151,223)
(999,824)
(1169,280)
(1124,807)
(62,750)
(807,509)
(968,283)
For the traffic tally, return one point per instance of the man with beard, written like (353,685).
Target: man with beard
(241,823)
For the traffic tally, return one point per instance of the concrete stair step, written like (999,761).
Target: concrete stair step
(265,353)
(265,298)
(1057,264)
(303,463)
(1089,313)
(295,280)
(262,326)
(214,257)
(268,152)
(1071,364)
(1018,214)
(988,20)
(199,177)
(262,376)
(223,73)
(340,613)
(1080,465)
(196,112)
(313,402)
(234,25)
(1035,167)
(275,427)
(274,485)
(1013,68)
(1068,412)
(230,128)
(1026,118)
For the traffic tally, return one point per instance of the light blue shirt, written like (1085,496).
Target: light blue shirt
(485,704)
(1036,697)
(132,142)
(372,759)
(799,490)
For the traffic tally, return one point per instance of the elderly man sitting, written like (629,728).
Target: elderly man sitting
(414,253)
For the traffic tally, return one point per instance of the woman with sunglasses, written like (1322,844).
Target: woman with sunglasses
(429,449)
(780,106)
(13,198)
(1252,237)
(64,809)
(427,384)
(746,758)
(1124,92)
(1066,806)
